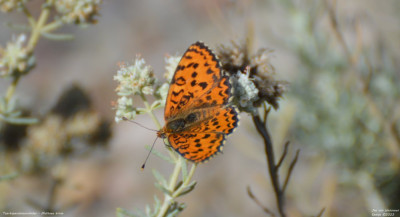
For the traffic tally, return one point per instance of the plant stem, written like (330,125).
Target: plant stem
(52,26)
(273,172)
(31,20)
(179,165)
(186,182)
(172,182)
(33,40)
(37,28)
(11,88)
(149,111)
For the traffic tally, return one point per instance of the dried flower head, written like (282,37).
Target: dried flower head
(78,11)
(44,144)
(16,58)
(11,5)
(252,75)
(56,136)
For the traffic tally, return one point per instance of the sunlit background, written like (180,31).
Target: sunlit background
(342,110)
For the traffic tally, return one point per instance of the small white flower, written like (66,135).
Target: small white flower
(135,79)
(171,62)
(78,11)
(16,58)
(246,93)
(162,92)
(10,5)
(125,109)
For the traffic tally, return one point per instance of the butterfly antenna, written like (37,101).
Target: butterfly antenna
(126,119)
(148,155)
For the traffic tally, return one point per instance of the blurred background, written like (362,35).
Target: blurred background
(342,109)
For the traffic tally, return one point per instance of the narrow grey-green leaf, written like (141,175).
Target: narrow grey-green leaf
(121,212)
(184,170)
(57,37)
(8,176)
(157,204)
(156,104)
(158,154)
(177,186)
(160,178)
(18,27)
(163,189)
(147,210)
(16,120)
(188,189)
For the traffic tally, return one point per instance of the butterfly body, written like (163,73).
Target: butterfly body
(198,114)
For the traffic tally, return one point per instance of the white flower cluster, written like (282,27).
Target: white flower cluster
(135,79)
(78,11)
(16,58)
(10,5)
(138,79)
(246,92)
(171,62)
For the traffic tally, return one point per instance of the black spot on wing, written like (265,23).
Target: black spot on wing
(206,136)
(176,93)
(180,81)
(180,67)
(203,85)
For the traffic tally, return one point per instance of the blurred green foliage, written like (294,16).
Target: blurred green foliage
(347,94)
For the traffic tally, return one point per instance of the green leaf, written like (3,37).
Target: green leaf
(155,105)
(18,120)
(147,210)
(57,37)
(121,212)
(8,176)
(10,105)
(177,186)
(3,105)
(188,189)
(173,213)
(175,209)
(160,178)
(18,27)
(157,204)
(163,189)
(158,154)
(184,170)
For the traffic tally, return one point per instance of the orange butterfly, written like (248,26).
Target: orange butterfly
(197,113)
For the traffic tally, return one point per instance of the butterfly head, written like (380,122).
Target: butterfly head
(161,133)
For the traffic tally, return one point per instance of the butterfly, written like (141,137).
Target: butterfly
(198,114)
